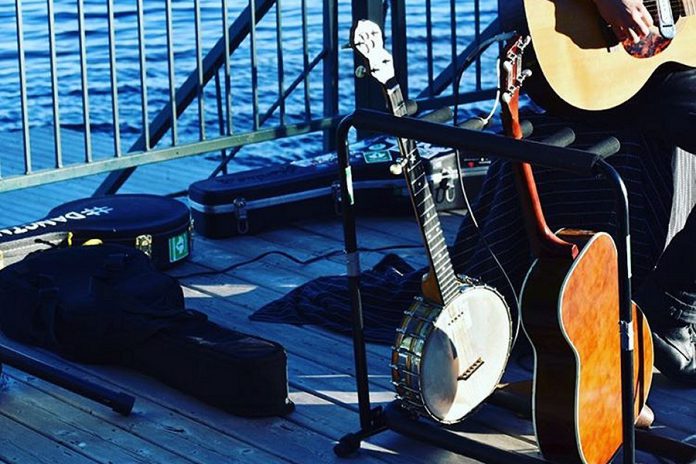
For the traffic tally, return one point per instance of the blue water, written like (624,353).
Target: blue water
(129,91)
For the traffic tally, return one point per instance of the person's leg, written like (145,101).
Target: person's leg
(668,298)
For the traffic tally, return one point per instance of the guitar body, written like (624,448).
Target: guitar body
(586,66)
(570,310)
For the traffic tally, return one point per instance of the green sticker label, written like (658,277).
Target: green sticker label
(178,247)
(377,157)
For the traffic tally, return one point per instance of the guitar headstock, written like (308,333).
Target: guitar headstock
(367,40)
(512,77)
(513,73)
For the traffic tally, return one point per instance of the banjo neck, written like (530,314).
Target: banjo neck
(441,276)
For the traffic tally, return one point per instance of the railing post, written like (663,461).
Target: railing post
(330,63)
(398,44)
(367,92)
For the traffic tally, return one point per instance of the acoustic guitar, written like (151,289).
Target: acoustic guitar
(588,67)
(570,313)
(453,343)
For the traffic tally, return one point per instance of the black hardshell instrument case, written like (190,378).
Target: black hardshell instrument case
(253,200)
(159,226)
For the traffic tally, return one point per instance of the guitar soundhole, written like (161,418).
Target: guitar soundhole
(652,45)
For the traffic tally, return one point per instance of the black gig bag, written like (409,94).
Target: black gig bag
(108,304)
(158,226)
(250,201)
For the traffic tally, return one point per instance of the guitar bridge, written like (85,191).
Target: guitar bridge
(471,369)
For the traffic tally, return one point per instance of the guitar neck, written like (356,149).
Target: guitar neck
(543,242)
(424,206)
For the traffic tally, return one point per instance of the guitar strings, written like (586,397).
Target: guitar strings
(678,7)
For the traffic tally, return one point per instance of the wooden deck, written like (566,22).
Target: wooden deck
(42,423)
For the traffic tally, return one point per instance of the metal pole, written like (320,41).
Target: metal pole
(199,69)
(254,65)
(85,85)
(330,70)
(118,401)
(145,138)
(170,66)
(353,273)
(23,88)
(279,58)
(398,43)
(54,84)
(305,62)
(114,81)
(626,311)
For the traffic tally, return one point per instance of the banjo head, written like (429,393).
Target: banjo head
(464,351)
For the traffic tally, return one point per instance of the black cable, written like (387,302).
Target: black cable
(483,239)
(486,120)
(291,258)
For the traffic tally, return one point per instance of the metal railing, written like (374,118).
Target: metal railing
(280,99)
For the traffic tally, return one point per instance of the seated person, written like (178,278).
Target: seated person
(661,115)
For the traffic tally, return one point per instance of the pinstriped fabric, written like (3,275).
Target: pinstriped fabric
(568,201)
(572,202)
(684,168)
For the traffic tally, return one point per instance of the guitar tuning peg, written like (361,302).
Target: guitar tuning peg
(524,41)
(524,74)
(507,65)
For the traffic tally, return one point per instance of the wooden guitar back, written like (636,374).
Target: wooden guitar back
(570,313)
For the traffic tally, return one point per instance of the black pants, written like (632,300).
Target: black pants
(670,291)
(665,108)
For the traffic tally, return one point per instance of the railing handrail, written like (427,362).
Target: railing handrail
(212,63)
(119,166)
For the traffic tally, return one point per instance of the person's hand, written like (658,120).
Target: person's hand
(629,19)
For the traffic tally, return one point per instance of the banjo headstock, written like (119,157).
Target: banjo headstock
(367,40)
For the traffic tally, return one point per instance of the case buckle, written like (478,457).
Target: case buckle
(240,212)
(144,244)
(446,192)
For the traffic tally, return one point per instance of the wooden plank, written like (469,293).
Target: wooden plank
(152,422)
(286,440)
(20,444)
(77,429)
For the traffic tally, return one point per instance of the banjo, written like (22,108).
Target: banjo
(453,342)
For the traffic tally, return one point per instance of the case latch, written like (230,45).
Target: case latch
(144,243)
(446,191)
(240,212)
